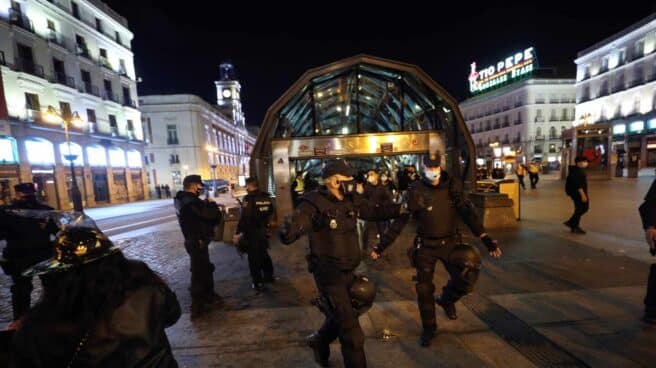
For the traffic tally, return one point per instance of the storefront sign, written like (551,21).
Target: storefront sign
(361,144)
(505,70)
(386,147)
(9,171)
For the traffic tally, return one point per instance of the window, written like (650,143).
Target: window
(121,67)
(8,150)
(117,37)
(564,115)
(117,157)
(113,125)
(91,115)
(65,109)
(150,130)
(639,48)
(75,10)
(176,177)
(81,46)
(130,125)
(126,96)
(152,158)
(134,159)
(32,102)
(553,115)
(552,133)
(538,115)
(99,26)
(174,159)
(103,53)
(96,156)
(172,134)
(552,148)
(51,26)
(538,132)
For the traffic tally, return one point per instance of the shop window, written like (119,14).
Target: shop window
(8,151)
(76,149)
(134,159)
(40,151)
(96,156)
(116,157)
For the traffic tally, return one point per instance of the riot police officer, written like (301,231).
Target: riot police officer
(329,215)
(435,201)
(28,242)
(253,225)
(197,220)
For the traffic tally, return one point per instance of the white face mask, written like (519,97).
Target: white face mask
(433,174)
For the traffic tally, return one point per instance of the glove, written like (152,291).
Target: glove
(489,243)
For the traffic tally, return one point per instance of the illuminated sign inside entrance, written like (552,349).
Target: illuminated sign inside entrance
(508,69)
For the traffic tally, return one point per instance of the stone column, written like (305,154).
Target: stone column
(88,186)
(129,186)
(25,168)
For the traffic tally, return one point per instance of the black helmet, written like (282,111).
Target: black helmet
(337,167)
(363,293)
(465,255)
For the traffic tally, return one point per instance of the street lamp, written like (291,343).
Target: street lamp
(52,116)
(213,150)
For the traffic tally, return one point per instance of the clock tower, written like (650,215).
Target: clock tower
(228,94)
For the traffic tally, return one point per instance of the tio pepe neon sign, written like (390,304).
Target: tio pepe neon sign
(512,67)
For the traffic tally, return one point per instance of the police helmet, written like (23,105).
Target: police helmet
(466,256)
(363,293)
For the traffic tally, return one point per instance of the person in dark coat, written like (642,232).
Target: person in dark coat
(158,189)
(378,194)
(253,225)
(167,190)
(648,216)
(28,242)
(197,220)
(98,309)
(329,215)
(576,187)
(437,202)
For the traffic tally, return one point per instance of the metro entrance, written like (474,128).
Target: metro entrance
(375,113)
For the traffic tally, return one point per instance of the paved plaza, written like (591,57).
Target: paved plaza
(553,299)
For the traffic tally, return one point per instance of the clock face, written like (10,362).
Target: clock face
(226,93)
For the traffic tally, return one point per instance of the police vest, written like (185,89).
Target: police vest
(433,209)
(257,208)
(334,235)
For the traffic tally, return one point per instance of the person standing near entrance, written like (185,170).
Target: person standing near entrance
(28,242)
(197,220)
(253,226)
(435,202)
(520,171)
(329,215)
(534,174)
(377,194)
(576,188)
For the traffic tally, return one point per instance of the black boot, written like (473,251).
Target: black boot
(320,348)
(427,336)
(449,308)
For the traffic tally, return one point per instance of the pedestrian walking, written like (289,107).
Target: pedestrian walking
(98,309)
(197,220)
(534,174)
(27,243)
(435,202)
(167,190)
(329,216)
(377,194)
(648,216)
(520,171)
(253,227)
(158,189)
(576,187)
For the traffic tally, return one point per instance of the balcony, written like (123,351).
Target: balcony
(92,127)
(539,119)
(174,161)
(82,50)
(129,102)
(488,128)
(617,87)
(497,126)
(88,88)
(505,124)
(57,39)
(113,131)
(583,98)
(517,140)
(32,115)
(29,67)
(539,101)
(539,137)
(505,141)
(554,137)
(518,121)
(17,18)
(109,96)
(102,61)
(518,103)
(63,79)
(172,141)
(633,83)
(553,118)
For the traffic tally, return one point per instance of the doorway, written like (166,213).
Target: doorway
(100,191)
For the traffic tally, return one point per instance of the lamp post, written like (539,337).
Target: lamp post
(55,117)
(213,165)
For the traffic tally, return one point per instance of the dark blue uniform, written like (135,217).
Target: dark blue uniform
(256,209)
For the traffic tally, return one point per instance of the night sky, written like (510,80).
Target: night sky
(178,47)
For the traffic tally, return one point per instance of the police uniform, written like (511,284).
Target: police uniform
(256,209)
(28,242)
(436,209)
(197,220)
(334,254)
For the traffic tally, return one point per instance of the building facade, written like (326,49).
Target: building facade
(187,136)
(616,84)
(73,58)
(520,122)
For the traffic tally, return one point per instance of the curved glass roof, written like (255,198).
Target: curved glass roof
(362,98)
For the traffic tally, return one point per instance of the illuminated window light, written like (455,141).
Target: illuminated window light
(339,108)
(652,124)
(619,129)
(637,126)
(345,130)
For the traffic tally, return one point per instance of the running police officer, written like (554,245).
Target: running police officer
(435,201)
(253,225)
(329,215)
(197,220)
(28,242)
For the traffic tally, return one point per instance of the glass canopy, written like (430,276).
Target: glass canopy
(362,98)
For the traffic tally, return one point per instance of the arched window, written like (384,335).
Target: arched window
(76,150)
(96,156)
(8,151)
(538,131)
(116,157)
(40,151)
(552,132)
(134,159)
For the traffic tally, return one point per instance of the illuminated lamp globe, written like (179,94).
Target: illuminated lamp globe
(51,116)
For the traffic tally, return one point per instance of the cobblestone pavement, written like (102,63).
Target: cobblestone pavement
(554,299)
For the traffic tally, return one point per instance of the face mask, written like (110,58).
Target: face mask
(199,191)
(346,186)
(432,175)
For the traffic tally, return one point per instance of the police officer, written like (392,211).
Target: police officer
(256,209)
(435,201)
(197,220)
(377,193)
(329,215)
(28,242)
